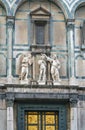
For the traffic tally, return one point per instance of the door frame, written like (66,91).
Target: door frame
(22,107)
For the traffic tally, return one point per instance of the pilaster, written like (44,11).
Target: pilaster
(10,115)
(73,112)
(71,54)
(10,27)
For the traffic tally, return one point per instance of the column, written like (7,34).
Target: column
(71,54)
(10,26)
(34,67)
(73,114)
(10,120)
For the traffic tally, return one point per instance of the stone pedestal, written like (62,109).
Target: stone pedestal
(9,79)
(56,83)
(73,81)
(49,82)
(24,81)
(41,82)
(34,82)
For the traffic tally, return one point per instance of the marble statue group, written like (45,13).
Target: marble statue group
(27,61)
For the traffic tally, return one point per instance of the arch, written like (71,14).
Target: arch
(79,56)
(4,5)
(58,3)
(77,4)
(3,54)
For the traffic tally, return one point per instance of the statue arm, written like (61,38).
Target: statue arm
(48,58)
(59,65)
(30,61)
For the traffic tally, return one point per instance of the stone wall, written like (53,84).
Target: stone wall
(64,39)
(22,37)
(3,115)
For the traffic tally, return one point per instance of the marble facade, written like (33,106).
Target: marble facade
(62,21)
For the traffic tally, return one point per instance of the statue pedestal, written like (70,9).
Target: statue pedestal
(56,83)
(49,82)
(24,82)
(33,82)
(10,79)
(41,82)
(73,81)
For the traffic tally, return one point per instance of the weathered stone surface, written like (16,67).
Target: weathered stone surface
(3,120)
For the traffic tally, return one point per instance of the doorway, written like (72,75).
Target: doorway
(41,116)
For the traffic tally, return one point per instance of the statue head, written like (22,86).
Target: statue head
(42,56)
(29,55)
(54,56)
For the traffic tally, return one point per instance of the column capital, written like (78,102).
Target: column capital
(10,21)
(73,100)
(10,103)
(10,100)
(70,22)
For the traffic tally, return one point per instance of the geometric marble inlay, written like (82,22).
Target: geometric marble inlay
(11,2)
(70,3)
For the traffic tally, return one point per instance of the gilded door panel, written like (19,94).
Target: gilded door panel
(41,117)
(41,120)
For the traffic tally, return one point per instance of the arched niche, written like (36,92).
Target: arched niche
(77,5)
(3,64)
(80,25)
(58,3)
(79,67)
(23,27)
(2,25)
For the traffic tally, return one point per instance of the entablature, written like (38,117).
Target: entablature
(16,92)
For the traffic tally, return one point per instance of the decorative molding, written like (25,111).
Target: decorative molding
(61,109)
(70,22)
(73,99)
(11,2)
(10,103)
(38,49)
(10,22)
(10,99)
(70,3)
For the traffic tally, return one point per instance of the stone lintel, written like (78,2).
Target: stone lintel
(38,49)
(41,96)
(67,93)
(10,97)
(39,86)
